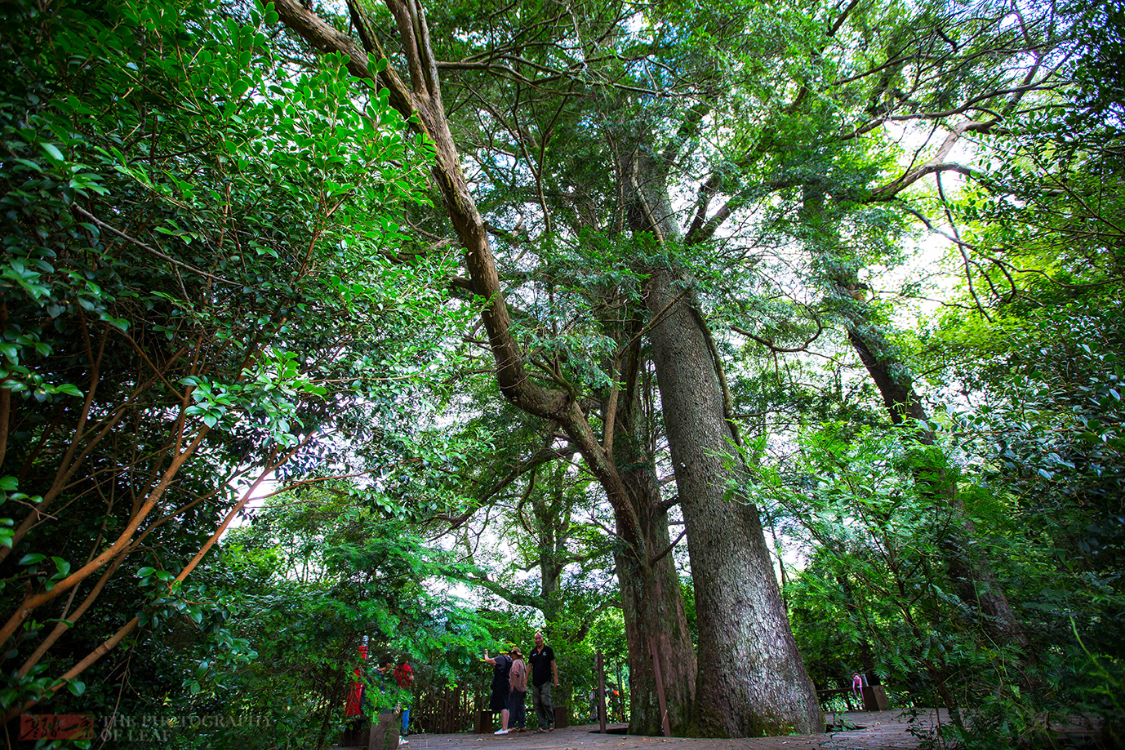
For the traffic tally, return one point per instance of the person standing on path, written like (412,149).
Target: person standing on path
(501,688)
(544,673)
(517,677)
(404,676)
(388,692)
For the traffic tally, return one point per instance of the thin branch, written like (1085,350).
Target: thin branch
(961,249)
(670,547)
(152,250)
(781,349)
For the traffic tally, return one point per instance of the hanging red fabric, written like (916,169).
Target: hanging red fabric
(354,704)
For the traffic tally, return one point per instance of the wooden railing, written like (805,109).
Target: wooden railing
(446,710)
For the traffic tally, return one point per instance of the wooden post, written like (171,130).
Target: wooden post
(620,694)
(874,698)
(384,732)
(659,687)
(601,694)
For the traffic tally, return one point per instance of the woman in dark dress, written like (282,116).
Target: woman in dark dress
(501,666)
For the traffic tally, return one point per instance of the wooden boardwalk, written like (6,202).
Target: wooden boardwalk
(876,730)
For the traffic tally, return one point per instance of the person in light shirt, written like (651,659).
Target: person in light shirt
(517,678)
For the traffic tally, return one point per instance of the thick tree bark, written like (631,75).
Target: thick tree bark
(751,678)
(650,589)
(654,614)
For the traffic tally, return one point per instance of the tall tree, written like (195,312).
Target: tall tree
(963,73)
(752,680)
(678,90)
(649,584)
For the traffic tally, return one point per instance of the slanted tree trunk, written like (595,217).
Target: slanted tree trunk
(970,572)
(419,99)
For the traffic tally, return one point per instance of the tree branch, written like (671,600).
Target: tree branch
(505,593)
(669,548)
(781,349)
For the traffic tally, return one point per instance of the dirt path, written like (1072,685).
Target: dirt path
(881,730)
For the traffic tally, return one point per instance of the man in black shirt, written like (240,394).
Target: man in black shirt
(544,672)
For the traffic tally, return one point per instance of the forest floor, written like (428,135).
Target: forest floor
(874,730)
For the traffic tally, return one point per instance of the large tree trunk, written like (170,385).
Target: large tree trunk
(752,680)
(654,619)
(650,587)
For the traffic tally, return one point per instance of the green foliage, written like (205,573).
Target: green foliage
(1041,369)
(870,534)
(306,580)
(874,595)
(204,259)
(198,290)
(1049,439)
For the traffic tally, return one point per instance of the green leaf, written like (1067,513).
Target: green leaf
(32,558)
(76,687)
(53,152)
(62,566)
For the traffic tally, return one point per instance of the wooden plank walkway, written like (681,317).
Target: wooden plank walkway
(878,730)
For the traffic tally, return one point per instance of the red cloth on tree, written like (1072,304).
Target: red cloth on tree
(353,705)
